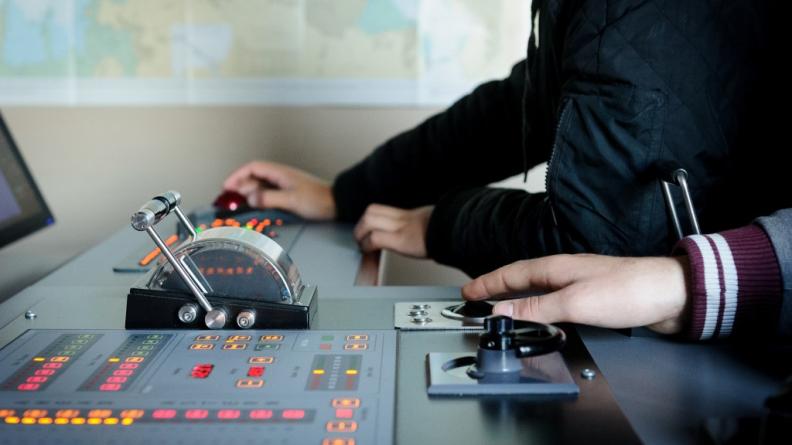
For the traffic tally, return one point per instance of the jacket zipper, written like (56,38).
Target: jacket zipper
(561,117)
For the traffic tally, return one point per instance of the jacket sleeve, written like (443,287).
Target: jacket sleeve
(740,280)
(476,141)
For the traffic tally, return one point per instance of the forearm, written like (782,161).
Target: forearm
(480,229)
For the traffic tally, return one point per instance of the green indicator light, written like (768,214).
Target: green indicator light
(327,338)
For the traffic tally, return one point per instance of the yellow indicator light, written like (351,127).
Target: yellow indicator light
(13,420)
(351,372)
(111,421)
(94,421)
(28,420)
(45,421)
(78,420)
(318,371)
(127,421)
(38,359)
(114,360)
(61,421)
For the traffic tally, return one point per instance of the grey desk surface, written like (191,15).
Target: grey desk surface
(664,388)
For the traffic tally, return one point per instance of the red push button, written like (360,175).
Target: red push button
(202,370)
(255,371)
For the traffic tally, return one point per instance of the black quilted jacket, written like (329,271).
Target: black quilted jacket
(610,89)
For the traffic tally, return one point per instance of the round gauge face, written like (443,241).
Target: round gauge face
(229,270)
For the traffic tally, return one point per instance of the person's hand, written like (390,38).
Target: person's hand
(595,290)
(403,231)
(271,185)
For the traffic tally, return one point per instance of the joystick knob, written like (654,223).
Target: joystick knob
(502,346)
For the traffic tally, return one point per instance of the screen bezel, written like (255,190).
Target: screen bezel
(36,221)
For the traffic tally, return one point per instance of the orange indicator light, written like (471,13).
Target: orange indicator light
(155,253)
(132,413)
(67,413)
(99,413)
(35,413)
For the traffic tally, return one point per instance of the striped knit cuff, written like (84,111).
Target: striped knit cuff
(735,283)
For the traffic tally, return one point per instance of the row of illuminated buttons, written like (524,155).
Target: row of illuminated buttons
(234,347)
(239,338)
(69,413)
(99,416)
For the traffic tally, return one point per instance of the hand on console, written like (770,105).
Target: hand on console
(400,230)
(589,289)
(272,185)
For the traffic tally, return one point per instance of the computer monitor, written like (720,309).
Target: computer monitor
(22,208)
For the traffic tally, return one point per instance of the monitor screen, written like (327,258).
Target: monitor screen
(22,208)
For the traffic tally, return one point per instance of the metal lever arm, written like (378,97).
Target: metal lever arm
(149,215)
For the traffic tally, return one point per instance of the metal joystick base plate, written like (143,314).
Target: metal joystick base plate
(543,375)
(436,315)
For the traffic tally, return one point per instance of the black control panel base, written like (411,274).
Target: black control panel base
(157,309)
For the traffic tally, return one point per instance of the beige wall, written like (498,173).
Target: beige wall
(96,165)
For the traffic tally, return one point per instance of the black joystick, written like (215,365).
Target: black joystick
(501,346)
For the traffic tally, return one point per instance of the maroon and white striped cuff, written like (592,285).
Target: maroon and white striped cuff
(735,283)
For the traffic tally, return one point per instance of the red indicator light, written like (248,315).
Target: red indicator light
(196,414)
(44,372)
(255,371)
(261,414)
(36,379)
(202,371)
(128,366)
(344,413)
(109,387)
(116,380)
(163,414)
(52,365)
(325,346)
(293,414)
(28,387)
(228,414)
(123,372)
